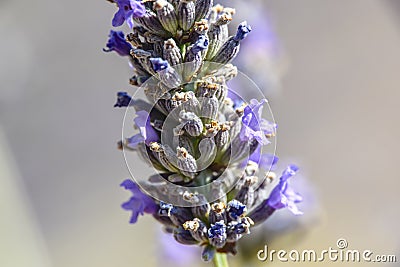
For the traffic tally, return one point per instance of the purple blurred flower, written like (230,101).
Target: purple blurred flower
(174,253)
(128,9)
(282,196)
(139,202)
(117,43)
(254,126)
(147,133)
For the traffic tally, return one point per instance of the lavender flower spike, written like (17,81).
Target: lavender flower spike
(117,43)
(127,10)
(139,203)
(282,195)
(204,185)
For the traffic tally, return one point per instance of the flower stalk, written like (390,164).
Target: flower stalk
(220,260)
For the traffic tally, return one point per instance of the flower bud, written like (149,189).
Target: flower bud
(217,234)
(203,9)
(197,229)
(150,22)
(166,15)
(186,162)
(172,53)
(217,212)
(192,124)
(186,14)
(184,236)
(231,47)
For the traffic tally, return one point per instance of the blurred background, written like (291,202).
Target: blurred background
(331,70)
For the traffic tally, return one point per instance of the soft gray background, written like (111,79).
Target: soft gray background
(337,111)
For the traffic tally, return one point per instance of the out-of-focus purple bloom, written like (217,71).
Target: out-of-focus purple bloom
(139,203)
(117,43)
(147,133)
(127,10)
(174,253)
(159,64)
(123,99)
(282,196)
(253,125)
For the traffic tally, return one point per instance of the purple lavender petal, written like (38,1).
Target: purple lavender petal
(139,202)
(282,196)
(252,122)
(127,10)
(117,43)
(142,121)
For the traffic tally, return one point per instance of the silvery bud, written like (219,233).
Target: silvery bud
(246,192)
(228,71)
(165,156)
(222,137)
(208,153)
(217,35)
(186,162)
(194,58)
(192,124)
(184,236)
(212,129)
(168,75)
(215,12)
(172,53)
(209,108)
(186,142)
(231,47)
(144,59)
(150,22)
(202,207)
(166,14)
(203,8)
(197,229)
(191,103)
(157,43)
(217,212)
(186,14)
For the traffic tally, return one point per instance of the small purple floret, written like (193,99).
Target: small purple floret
(139,203)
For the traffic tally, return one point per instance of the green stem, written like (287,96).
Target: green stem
(220,260)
